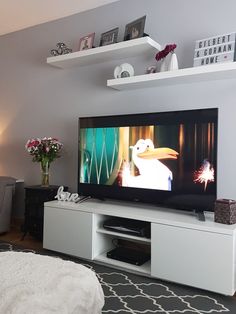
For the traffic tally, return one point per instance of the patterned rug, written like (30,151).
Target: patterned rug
(128,293)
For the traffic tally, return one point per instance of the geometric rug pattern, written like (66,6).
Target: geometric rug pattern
(125,296)
(129,293)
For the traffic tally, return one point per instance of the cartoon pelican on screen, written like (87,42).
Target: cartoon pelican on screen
(153,174)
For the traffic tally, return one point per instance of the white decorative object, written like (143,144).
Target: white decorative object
(66,196)
(124,70)
(173,62)
(163,55)
(164,66)
(117,71)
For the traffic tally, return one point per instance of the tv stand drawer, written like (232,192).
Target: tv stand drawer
(193,257)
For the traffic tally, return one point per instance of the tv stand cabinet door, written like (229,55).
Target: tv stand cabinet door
(68,231)
(193,257)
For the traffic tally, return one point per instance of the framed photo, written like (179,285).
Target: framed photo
(109,37)
(86,42)
(135,29)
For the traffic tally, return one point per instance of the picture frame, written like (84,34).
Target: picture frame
(86,42)
(135,29)
(109,37)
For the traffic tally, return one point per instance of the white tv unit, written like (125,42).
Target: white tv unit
(183,249)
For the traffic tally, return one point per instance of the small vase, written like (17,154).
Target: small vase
(45,172)
(163,66)
(173,63)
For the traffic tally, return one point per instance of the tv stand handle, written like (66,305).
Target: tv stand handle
(200,215)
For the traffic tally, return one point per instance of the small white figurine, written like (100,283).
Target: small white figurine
(66,196)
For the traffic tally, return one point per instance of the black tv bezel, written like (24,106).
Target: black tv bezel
(168,199)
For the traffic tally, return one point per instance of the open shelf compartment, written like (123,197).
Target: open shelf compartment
(143,269)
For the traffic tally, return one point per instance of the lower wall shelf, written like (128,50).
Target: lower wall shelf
(211,72)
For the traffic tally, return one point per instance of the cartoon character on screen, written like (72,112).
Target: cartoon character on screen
(153,174)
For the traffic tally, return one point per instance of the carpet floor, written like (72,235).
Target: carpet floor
(129,293)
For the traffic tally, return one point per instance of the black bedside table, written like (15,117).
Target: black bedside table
(35,196)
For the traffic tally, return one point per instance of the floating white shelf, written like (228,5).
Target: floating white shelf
(124,49)
(123,235)
(211,72)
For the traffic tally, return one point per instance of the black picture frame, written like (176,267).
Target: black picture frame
(135,29)
(109,37)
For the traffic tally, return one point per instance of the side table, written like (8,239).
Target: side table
(35,196)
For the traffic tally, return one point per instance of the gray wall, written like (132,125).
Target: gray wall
(37,100)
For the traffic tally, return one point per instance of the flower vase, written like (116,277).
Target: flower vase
(45,173)
(163,66)
(173,63)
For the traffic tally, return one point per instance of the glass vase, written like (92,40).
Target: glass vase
(45,172)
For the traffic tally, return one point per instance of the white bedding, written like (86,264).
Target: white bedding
(37,284)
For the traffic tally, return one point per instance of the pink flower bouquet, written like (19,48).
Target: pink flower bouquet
(163,53)
(46,148)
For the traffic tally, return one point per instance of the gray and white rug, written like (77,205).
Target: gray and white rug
(128,293)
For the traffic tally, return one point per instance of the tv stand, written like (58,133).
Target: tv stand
(200,215)
(183,249)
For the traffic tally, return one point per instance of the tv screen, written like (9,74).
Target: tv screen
(166,158)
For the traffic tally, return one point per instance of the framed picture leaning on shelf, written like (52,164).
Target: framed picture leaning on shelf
(86,42)
(109,37)
(135,29)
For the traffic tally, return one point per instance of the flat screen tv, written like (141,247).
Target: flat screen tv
(165,158)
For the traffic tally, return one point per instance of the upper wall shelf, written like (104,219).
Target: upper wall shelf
(124,49)
(211,72)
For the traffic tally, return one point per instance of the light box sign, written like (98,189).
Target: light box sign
(216,49)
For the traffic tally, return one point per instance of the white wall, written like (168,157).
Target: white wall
(37,100)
